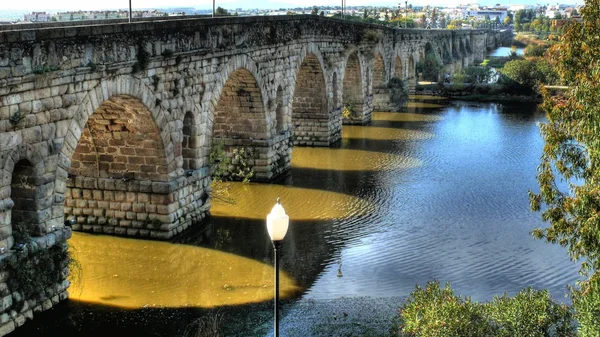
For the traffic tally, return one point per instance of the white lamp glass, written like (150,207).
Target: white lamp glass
(277,223)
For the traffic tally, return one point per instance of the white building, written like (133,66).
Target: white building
(481,14)
(37,17)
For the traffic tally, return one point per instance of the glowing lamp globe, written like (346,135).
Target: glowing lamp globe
(277,222)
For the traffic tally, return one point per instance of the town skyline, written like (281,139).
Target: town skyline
(71,5)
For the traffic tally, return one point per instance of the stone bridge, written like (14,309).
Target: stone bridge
(113,124)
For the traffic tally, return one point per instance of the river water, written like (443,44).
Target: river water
(436,192)
(505,52)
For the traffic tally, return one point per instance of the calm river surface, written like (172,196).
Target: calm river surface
(438,192)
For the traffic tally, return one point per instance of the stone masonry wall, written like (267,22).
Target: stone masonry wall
(20,302)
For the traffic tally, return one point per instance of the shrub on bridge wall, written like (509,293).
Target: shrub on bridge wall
(35,273)
(235,163)
(434,311)
(398,90)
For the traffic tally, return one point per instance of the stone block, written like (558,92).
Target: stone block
(7,328)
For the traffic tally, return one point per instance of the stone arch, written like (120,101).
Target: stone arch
(280,120)
(411,67)
(212,97)
(130,191)
(463,51)
(398,67)
(446,54)
(190,143)
(379,73)
(353,87)
(240,112)
(120,140)
(309,103)
(30,195)
(119,86)
(310,106)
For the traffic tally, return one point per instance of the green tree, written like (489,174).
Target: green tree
(507,20)
(315,11)
(365,14)
(519,16)
(220,11)
(572,154)
(431,66)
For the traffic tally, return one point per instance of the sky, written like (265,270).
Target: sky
(31,5)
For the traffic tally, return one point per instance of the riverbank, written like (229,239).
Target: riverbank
(470,92)
(346,316)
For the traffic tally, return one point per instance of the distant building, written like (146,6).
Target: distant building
(37,17)
(481,14)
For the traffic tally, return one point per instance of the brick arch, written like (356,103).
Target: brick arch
(412,61)
(379,77)
(307,50)
(210,102)
(103,92)
(398,67)
(240,112)
(309,105)
(353,80)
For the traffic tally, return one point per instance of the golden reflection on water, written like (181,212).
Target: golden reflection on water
(404,117)
(428,98)
(423,105)
(349,160)
(379,133)
(255,200)
(134,273)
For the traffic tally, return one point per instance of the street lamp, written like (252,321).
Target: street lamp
(130,11)
(277,226)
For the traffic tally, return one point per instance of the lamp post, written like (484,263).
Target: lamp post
(213,14)
(130,11)
(277,226)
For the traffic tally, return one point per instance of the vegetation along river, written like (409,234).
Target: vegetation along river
(436,192)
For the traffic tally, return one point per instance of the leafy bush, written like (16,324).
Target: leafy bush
(476,74)
(535,50)
(586,303)
(233,163)
(219,160)
(530,313)
(520,75)
(437,312)
(525,75)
